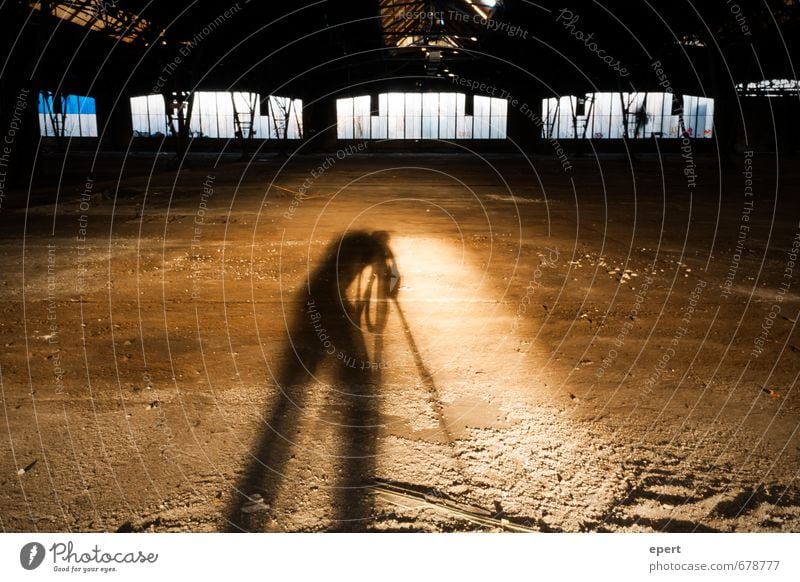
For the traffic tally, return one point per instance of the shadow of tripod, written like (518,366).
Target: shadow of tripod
(328,334)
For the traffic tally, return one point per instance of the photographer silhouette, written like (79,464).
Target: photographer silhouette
(346,297)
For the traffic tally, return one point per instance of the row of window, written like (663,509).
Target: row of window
(770,88)
(218,114)
(646,115)
(395,116)
(421,116)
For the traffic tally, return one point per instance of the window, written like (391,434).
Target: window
(284,117)
(67,115)
(148,116)
(397,116)
(413,115)
(448,113)
(698,116)
(641,115)
(557,117)
(769,88)
(379,124)
(490,116)
(344,118)
(498,118)
(421,116)
(481,117)
(430,115)
(221,114)
(361,120)
(206,114)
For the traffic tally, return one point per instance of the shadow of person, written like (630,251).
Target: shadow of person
(346,297)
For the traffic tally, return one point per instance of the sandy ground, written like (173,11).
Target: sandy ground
(569,351)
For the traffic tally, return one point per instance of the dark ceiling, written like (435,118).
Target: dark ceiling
(301,47)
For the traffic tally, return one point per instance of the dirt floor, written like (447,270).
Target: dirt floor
(607,347)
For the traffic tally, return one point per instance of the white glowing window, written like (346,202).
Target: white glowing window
(614,114)
(222,115)
(769,88)
(204,115)
(225,121)
(245,114)
(698,116)
(344,118)
(447,115)
(422,116)
(284,118)
(413,115)
(558,117)
(498,119)
(481,117)
(638,115)
(397,116)
(489,118)
(463,121)
(361,117)
(380,123)
(148,116)
(430,115)
(658,107)
(635,105)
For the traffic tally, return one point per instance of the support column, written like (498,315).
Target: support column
(19,122)
(114,125)
(524,120)
(319,123)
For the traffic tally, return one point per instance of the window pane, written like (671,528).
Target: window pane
(380,121)
(481,111)
(396,110)
(600,125)
(344,118)
(361,117)
(549,118)
(280,115)
(204,115)
(499,112)
(243,105)
(413,115)
(296,120)
(708,126)
(689,114)
(225,123)
(430,115)
(655,115)
(140,119)
(88,116)
(157,115)
(447,115)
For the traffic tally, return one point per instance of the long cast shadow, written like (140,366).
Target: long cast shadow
(326,334)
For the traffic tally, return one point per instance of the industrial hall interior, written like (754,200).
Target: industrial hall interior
(399,266)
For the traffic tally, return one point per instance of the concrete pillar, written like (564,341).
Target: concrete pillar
(19,125)
(113,122)
(524,120)
(319,123)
